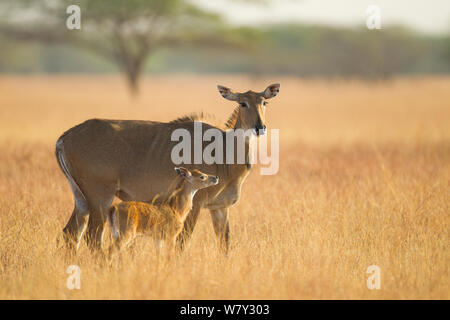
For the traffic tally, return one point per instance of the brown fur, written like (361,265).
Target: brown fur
(163,221)
(131,159)
(207,118)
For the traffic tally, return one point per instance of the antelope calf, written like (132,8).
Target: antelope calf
(163,222)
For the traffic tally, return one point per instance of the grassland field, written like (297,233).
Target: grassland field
(364,180)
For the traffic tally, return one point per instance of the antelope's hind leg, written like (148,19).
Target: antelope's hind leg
(75,227)
(99,204)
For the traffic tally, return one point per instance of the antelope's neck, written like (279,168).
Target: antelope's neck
(181,200)
(250,145)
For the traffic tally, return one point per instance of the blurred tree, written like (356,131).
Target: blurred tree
(125,32)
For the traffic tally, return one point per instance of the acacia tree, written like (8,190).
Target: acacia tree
(125,32)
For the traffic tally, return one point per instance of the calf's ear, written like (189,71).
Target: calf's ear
(183,172)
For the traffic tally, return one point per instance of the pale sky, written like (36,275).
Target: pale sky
(428,16)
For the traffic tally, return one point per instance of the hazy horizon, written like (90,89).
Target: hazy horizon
(417,15)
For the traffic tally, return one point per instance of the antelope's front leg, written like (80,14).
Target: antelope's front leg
(221,227)
(188,226)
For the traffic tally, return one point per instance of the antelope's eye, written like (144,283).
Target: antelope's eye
(203,177)
(265,103)
(243,104)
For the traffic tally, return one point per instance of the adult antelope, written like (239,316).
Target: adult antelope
(131,159)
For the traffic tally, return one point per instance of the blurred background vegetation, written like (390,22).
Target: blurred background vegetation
(137,37)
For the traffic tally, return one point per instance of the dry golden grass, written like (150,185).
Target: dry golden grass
(364,180)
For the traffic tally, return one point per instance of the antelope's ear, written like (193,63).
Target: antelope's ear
(271,91)
(227,93)
(183,172)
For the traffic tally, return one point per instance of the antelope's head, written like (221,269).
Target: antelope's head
(196,178)
(252,107)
